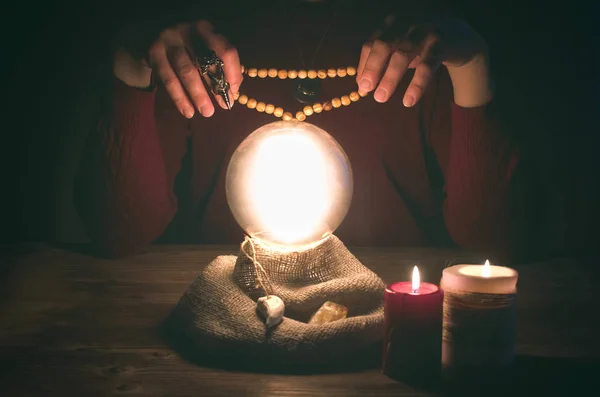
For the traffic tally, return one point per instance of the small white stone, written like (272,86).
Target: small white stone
(271,308)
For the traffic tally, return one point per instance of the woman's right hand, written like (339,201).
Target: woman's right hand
(170,60)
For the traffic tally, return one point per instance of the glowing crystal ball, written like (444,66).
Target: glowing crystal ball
(289,184)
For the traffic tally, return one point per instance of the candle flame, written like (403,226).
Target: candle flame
(416,279)
(487,270)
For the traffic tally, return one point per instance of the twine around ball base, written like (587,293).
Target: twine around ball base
(308,110)
(270,307)
(262,278)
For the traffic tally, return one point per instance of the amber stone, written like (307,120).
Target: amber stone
(330,311)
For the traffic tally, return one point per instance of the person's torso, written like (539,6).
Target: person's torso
(396,162)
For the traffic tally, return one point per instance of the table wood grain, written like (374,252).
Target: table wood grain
(72,324)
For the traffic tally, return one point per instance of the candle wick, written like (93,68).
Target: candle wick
(414,291)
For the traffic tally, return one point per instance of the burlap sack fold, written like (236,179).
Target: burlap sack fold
(218,311)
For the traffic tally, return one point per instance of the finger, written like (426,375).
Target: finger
(415,62)
(424,72)
(396,68)
(231,63)
(224,50)
(162,68)
(229,55)
(374,66)
(190,78)
(232,68)
(364,55)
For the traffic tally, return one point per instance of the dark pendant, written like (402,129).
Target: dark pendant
(307,91)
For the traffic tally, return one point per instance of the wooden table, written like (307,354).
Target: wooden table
(75,325)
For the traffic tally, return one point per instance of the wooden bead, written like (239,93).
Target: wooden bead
(331,73)
(252,72)
(243,99)
(336,102)
(243,68)
(278,112)
(251,103)
(308,110)
(354,96)
(362,93)
(260,107)
(272,72)
(236,96)
(292,74)
(327,106)
(270,108)
(341,72)
(300,116)
(282,74)
(322,73)
(317,107)
(346,100)
(262,73)
(287,116)
(302,74)
(312,74)
(351,70)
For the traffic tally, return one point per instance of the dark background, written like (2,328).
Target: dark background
(55,58)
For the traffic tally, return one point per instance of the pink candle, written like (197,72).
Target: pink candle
(412,342)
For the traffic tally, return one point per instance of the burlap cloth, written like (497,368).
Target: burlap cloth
(218,311)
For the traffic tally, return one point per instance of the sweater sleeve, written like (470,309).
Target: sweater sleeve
(123,191)
(478,180)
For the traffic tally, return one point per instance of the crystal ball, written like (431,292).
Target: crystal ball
(289,185)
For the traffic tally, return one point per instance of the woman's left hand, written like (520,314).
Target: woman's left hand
(424,46)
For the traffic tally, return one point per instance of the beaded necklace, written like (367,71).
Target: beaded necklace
(308,91)
(308,110)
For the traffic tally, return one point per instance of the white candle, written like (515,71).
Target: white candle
(484,279)
(479,316)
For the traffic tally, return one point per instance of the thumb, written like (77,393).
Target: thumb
(132,71)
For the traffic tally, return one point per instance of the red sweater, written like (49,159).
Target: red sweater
(434,174)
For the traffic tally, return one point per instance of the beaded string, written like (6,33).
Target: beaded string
(308,110)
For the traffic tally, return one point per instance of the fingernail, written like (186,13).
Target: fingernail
(408,101)
(188,113)
(365,84)
(221,102)
(207,111)
(381,94)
